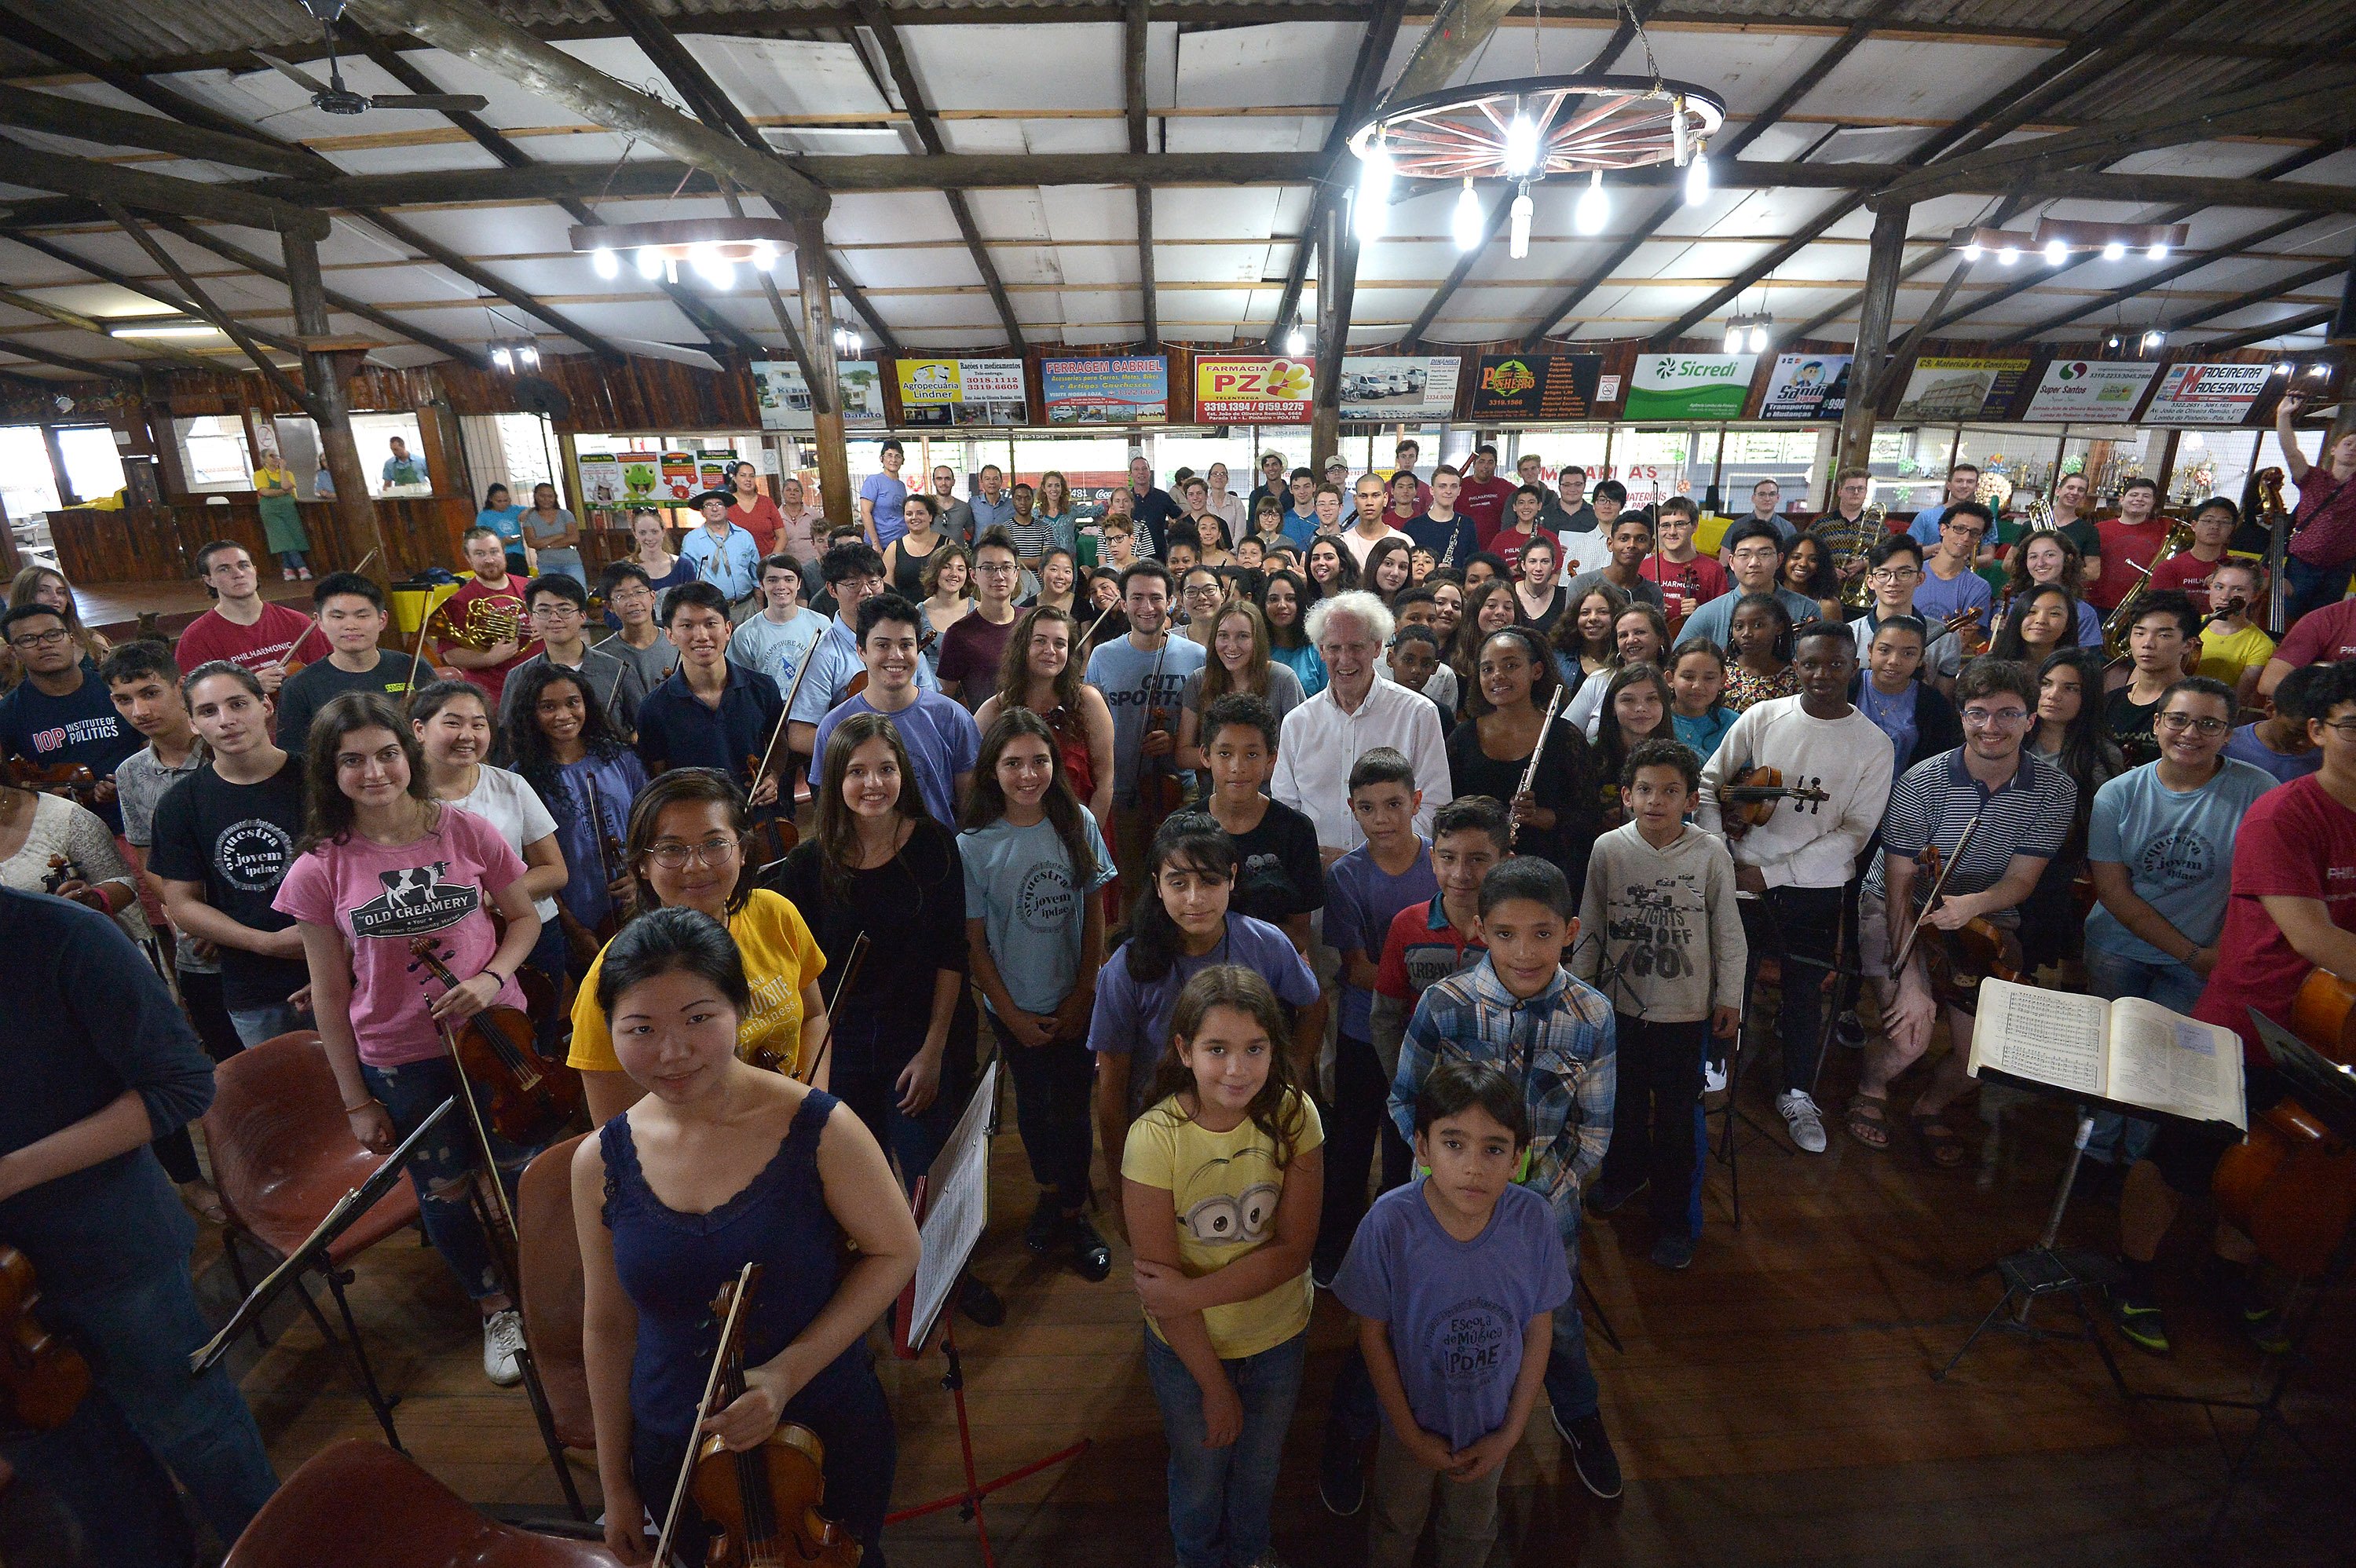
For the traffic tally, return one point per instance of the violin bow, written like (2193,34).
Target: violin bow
(850,973)
(1938,888)
(473,1112)
(702,1409)
(311,623)
(769,753)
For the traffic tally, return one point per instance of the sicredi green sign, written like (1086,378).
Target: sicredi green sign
(1689,386)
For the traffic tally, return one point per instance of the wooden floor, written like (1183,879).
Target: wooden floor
(1773,1405)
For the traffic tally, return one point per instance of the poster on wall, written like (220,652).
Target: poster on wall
(641,477)
(1806,387)
(602,483)
(679,478)
(860,382)
(1255,388)
(1380,388)
(1537,386)
(961,391)
(1134,390)
(784,395)
(714,468)
(1689,386)
(2092,391)
(2207,394)
(1961,389)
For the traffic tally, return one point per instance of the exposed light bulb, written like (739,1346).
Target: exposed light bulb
(2056,252)
(1296,343)
(1972,251)
(2154,339)
(2116,251)
(1758,337)
(765,256)
(2112,341)
(502,358)
(530,356)
(712,266)
(1374,203)
(855,342)
(2283,368)
(1466,223)
(2008,254)
(2318,368)
(1518,242)
(650,263)
(1734,337)
(2157,252)
(607,263)
(1521,144)
(1594,209)
(1698,180)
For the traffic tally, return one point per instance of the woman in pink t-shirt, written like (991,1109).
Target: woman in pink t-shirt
(382,867)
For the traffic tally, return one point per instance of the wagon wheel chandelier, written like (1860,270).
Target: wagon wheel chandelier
(1521,132)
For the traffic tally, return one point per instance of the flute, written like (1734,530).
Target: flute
(1537,754)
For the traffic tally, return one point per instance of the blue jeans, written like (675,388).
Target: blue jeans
(2111,976)
(2312,587)
(444,1166)
(1220,1498)
(566,561)
(255,1025)
(1570,1380)
(138,1337)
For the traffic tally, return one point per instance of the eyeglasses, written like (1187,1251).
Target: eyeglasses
(673,857)
(557,610)
(996,568)
(1894,574)
(1200,589)
(1972,528)
(2182,721)
(1981,719)
(2347,727)
(49,639)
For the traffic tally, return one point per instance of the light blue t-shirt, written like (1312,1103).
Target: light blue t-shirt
(1124,672)
(2178,847)
(1307,665)
(1715,620)
(941,739)
(1456,1311)
(891,498)
(1361,901)
(1132,1019)
(1924,529)
(775,650)
(505,521)
(1938,598)
(834,659)
(1019,881)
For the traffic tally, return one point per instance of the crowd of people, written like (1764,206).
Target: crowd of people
(1377,874)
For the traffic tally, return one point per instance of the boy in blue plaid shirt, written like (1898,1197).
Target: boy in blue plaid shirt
(1519,1010)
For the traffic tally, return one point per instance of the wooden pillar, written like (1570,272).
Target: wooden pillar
(826,397)
(1885,252)
(1337,278)
(325,373)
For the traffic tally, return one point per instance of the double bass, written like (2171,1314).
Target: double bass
(2290,1186)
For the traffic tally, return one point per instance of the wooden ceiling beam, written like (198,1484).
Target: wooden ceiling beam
(1365,84)
(142,286)
(21,164)
(227,324)
(94,367)
(490,282)
(94,122)
(2256,334)
(1135,33)
(2259,295)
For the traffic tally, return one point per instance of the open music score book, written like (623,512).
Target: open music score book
(2135,1054)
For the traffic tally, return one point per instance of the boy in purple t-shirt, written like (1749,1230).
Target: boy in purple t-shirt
(1455,1281)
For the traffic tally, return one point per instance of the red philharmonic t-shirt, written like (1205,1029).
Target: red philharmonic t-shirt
(2296,842)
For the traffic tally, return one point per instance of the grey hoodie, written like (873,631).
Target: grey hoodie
(1658,931)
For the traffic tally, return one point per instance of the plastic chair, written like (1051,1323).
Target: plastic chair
(359,1506)
(283,1155)
(551,1267)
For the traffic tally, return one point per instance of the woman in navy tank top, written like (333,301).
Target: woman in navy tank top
(722,1163)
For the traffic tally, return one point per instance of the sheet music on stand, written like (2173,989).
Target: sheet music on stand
(2131,1055)
(956,1209)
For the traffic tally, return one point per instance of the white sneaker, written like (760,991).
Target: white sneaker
(1713,1077)
(1806,1123)
(502,1341)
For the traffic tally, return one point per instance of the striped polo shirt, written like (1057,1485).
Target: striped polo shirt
(2030,813)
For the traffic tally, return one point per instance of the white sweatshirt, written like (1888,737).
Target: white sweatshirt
(1802,844)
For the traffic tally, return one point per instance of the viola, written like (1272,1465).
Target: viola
(1753,795)
(42,1378)
(1960,959)
(763,1502)
(532,1098)
(2291,1186)
(1970,631)
(73,781)
(609,856)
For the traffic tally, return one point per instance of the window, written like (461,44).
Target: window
(2218,463)
(93,467)
(27,485)
(1651,464)
(374,433)
(213,452)
(1091,465)
(530,454)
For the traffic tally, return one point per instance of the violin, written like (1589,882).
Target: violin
(1751,797)
(532,1098)
(1977,950)
(62,870)
(1970,631)
(1159,791)
(2290,1186)
(762,1503)
(71,781)
(42,1378)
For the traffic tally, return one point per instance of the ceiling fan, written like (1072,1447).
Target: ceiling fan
(332,97)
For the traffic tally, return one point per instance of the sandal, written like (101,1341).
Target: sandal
(201,1196)
(1940,1142)
(1868,1121)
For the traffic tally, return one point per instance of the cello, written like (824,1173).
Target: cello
(762,1502)
(532,1098)
(2290,1186)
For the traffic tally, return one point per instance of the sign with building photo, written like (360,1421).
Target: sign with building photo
(1390,388)
(1806,387)
(1961,390)
(1689,386)
(2091,391)
(784,395)
(961,393)
(1257,388)
(1537,386)
(1132,390)
(860,382)
(2207,394)
(602,483)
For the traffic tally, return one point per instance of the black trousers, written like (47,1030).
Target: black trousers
(1800,928)
(200,994)
(1053,1086)
(1653,1130)
(1358,1124)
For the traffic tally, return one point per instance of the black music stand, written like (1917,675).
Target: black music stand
(2328,1090)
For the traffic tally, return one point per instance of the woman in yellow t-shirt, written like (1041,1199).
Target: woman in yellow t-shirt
(685,847)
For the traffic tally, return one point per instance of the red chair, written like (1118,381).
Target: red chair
(551,1267)
(356,1505)
(283,1154)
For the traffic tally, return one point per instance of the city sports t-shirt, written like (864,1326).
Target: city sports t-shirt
(1455,1310)
(381,899)
(2295,841)
(1020,883)
(1123,672)
(237,841)
(780,958)
(1226,1189)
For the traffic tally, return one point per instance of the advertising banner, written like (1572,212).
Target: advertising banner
(2207,394)
(1134,390)
(1235,389)
(784,395)
(1537,386)
(641,477)
(601,479)
(1689,386)
(860,382)
(1806,387)
(1961,389)
(680,480)
(961,393)
(1379,387)
(2092,391)
(713,467)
